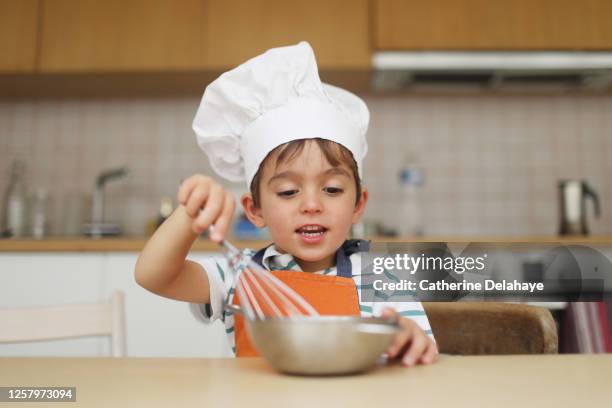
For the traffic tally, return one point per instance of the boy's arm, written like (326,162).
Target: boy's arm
(162,268)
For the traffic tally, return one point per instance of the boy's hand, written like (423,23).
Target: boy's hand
(411,344)
(207,202)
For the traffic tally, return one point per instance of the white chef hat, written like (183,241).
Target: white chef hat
(270,100)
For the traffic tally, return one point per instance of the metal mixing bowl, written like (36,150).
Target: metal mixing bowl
(324,345)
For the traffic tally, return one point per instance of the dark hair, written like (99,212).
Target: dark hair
(334,153)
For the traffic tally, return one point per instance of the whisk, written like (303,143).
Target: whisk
(261,294)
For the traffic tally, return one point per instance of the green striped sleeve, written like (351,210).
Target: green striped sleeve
(366,309)
(380,295)
(391,276)
(220,270)
(408,313)
(404,293)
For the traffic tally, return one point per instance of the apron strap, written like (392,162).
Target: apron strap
(343,262)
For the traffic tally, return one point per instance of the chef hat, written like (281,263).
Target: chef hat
(270,100)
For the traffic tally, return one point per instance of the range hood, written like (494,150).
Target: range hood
(485,70)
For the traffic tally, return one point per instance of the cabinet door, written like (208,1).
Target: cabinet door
(338,30)
(486,24)
(157,326)
(43,279)
(118,35)
(18,34)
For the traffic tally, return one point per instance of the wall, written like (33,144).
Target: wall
(491,162)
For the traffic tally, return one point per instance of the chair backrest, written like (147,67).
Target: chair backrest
(470,328)
(67,321)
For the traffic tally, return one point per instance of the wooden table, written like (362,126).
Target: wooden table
(487,381)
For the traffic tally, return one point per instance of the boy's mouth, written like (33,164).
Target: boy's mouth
(311,230)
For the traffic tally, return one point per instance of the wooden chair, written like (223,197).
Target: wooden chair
(67,321)
(470,328)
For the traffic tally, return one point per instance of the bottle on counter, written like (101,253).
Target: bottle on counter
(165,210)
(411,178)
(15,206)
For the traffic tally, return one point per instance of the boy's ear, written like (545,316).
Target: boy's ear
(252,212)
(361,205)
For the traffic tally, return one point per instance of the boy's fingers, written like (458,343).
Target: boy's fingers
(399,341)
(430,354)
(188,185)
(222,223)
(212,209)
(415,351)
(197,199)
(185,189)
(388,312)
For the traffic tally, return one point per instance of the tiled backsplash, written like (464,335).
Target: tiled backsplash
(491,162)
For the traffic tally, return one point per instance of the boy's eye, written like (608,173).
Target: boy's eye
(287,193)
(333,190)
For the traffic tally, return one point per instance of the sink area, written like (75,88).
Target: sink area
(98,227)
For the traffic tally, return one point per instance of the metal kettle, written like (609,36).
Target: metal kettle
(572,211)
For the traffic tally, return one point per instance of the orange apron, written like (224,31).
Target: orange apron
(329,295)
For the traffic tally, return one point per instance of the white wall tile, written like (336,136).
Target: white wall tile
(491,162)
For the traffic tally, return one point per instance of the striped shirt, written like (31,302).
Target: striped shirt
(222,286)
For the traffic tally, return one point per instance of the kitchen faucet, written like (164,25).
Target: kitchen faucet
(98,227)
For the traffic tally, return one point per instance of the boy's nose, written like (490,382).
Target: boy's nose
(311,203)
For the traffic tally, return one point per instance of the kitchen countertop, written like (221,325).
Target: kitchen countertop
(136,243)
(454,381)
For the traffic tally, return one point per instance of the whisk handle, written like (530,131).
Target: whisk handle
(224,243)
(233,309)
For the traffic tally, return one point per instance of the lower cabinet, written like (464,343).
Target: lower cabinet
(155,326)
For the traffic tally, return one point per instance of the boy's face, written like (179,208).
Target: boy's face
(308,206)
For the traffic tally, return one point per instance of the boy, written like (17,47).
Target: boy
(299,145)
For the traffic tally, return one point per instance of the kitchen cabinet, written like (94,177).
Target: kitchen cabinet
(486,24)
(41,279)
(155,326)
(338,30)
(18,35)
(165,35)
(120,36)
(160,327)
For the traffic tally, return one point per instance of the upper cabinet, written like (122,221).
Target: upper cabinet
(120,35)
(492,24)
(338,30)
(157,36)
(18,35)
(170,35)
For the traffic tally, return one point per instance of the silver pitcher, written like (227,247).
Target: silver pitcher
(572,211)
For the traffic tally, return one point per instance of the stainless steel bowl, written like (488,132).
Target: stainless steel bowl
(325,345)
